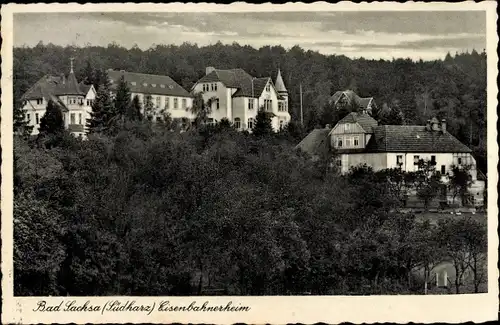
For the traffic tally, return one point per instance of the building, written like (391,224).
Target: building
(167,96)
(237,96)
(358,139)
(73,98)
(350,100)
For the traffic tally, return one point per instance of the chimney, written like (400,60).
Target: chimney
(428,125)
(435,125)
(443,126)
(328,126)
(63,79)
(209,69)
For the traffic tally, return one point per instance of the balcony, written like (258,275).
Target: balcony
(76,128)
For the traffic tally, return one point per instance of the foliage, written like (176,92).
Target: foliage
(52,121)
(460,182)
(103,111)
(149,109)
(263,126)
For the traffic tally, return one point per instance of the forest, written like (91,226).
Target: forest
(139,208)
(453,88)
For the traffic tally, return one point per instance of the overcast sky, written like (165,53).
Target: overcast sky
(426,35)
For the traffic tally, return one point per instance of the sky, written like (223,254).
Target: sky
(426,35)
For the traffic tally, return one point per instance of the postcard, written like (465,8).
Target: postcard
(249,163)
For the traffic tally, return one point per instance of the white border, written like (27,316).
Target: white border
(275,310)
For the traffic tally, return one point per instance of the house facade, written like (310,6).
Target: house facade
(357,139)
(237,96)
(166,95)
(73,98)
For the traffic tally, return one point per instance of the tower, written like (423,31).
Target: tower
(280,86)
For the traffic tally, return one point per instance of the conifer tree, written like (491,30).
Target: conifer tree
(102,111)
(122,99)
(134,112)
(52,121)
(263,124)
(21,125)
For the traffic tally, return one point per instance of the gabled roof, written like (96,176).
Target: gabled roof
(85,88)
(315,143)
(231,78)
(280,85)
(364,120)
(245,89)
(352,98)
(239,79)
(49,87)
(148,83)
(413,138)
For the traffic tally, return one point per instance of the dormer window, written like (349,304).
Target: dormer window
(145,84)
(153,85)
(162,86)
(170,87)
(133,83)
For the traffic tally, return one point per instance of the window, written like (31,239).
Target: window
(28,117)
(443,169)
(89,102)
(80,101)
(399,160)
(39,101)
(210,121)
(153,85)
(416,159)
(217,103)
(72,118)
(237,123)
(268,87)
(167,102)
(158,101)
(80,118)
(348,142)
(215,87)
(212,87)
(133,83)
(162,86)
(145,84)
(339,142)
(339,162)
(184,103)
(433,160)
(175,103)
(204,87)
(281,124)
(250,123)
(251,103)
(347,126)
(37,118)
(459,160)
(356,141)
(268,104)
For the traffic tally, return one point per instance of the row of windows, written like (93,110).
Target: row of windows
(347,142)
(157,101)
(37,118)
(237,123)
(210,87)
(75,100)
(282,107)
(145,84)
(416,160)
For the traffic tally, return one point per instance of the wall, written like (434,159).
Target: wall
(225,100)
(377,161)
(240,108)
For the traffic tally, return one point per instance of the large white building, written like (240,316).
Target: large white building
(74,99)
(357,139)
(237,96)
(167,96)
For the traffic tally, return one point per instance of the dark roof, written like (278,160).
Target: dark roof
(240,79)
(364,120)
(231,78)
(163,85)
(280,85)
(49,87)
(84,88)
(245,89)
(413,138)
(316,142)
(69,87)
(352,98)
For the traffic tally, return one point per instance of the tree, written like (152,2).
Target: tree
(427,182)
(88,75)
(201,109)
(149,109)
(263,126)
(52,121)
(394,116)
(21,125)
(122,99)
(102,111)
(134,112)
(476,242)
(460,182)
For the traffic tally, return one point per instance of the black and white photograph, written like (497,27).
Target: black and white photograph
(250,153)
